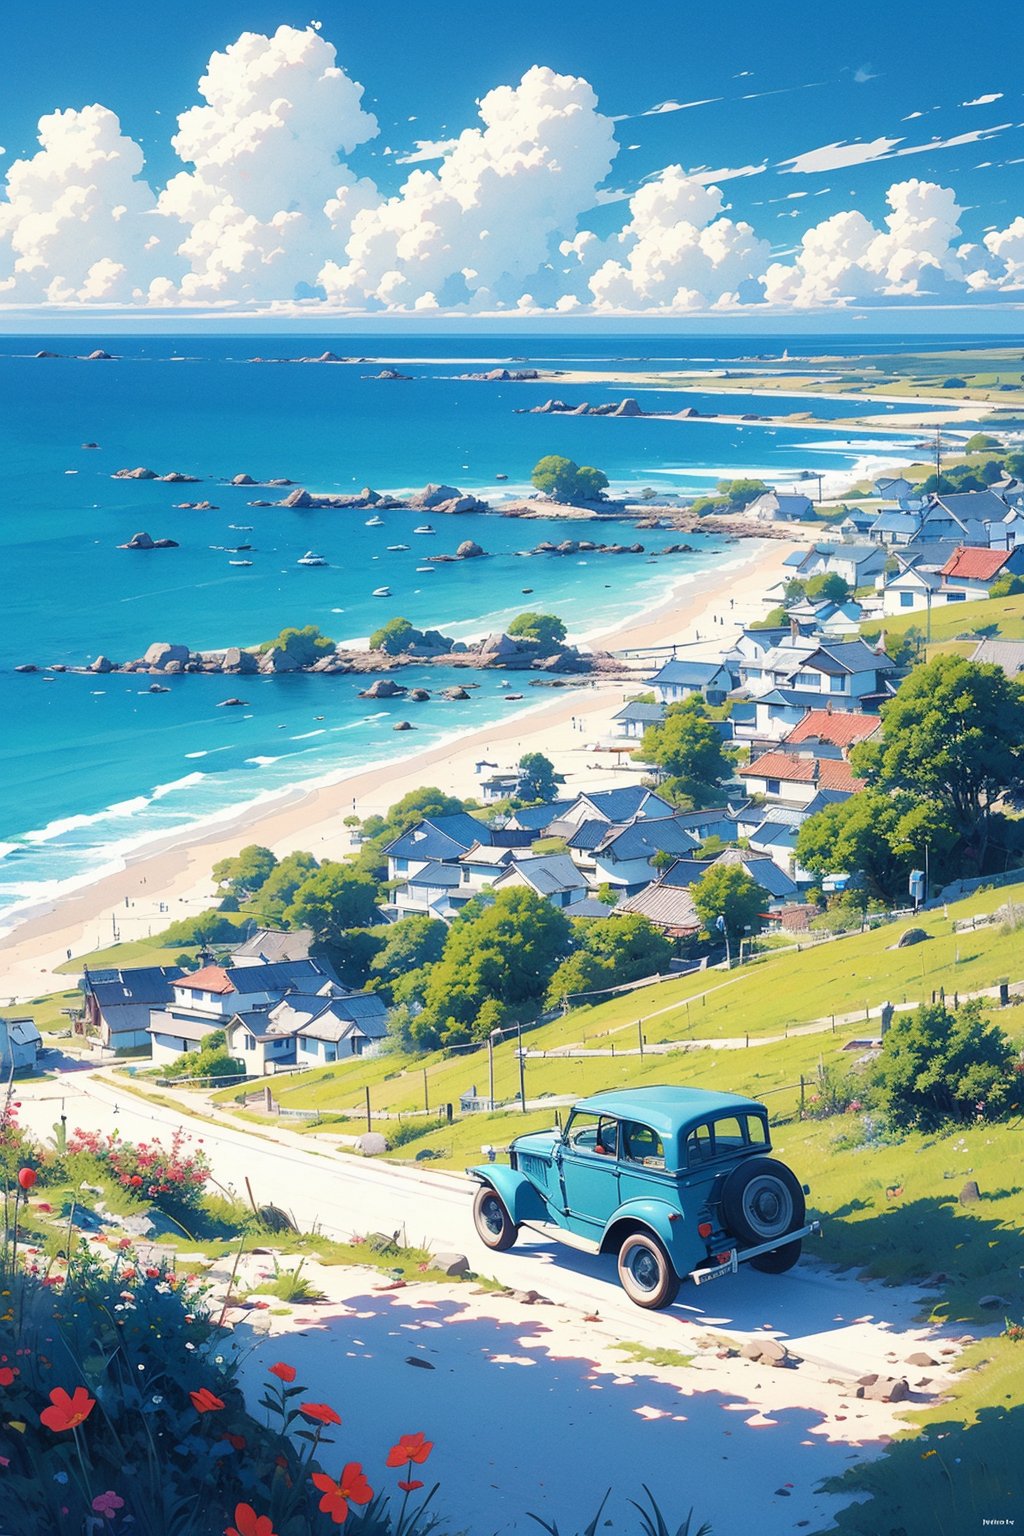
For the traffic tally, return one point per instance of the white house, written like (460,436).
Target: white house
(634,718)
(779,507)
(19,1045)
(624,856)
(552,875)
(209,999)
(311,1030)
(679,679)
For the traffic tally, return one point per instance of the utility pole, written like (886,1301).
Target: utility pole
(522,1070)
(426,1096)
(369,1117)
(490,1069)
(938,462)
(640,1034)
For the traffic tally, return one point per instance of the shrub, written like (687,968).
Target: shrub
(171,1178)
(565,480)
(394,636)
(404,1131)
(937,1065)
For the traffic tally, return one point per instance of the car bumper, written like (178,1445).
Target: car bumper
(737,1257)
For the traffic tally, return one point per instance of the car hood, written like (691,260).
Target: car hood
(538,1143)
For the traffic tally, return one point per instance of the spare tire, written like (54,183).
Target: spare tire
(762,1201)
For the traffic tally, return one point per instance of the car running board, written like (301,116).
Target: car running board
(735,1259)
(558,1234)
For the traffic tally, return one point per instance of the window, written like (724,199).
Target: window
(838,684)
(809,679)
(642,1145)
(955,597)
(774,786)
(906,599)
(308,1046)
(401,866)
(699,1146)
(593,1133)
(734,1132)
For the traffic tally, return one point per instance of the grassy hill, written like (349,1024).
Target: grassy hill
(1001,617)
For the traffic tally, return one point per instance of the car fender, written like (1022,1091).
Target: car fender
(668,1224)
(522,1200)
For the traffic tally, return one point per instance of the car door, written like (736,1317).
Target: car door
(589,1171)
(642,1163)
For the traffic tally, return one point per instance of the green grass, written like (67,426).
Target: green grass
(644,1354)
(776,992)
(47,1011)
(131,952)
(998,616)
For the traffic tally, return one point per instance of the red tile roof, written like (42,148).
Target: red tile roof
(212,978)
(975,564)
(825,772)
(839,727)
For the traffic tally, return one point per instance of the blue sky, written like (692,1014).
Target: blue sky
(802,112)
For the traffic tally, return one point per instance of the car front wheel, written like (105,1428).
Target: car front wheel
(646,1273)
(493,1223)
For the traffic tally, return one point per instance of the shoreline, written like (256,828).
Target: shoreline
(176,874)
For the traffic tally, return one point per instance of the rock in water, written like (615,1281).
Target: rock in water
(135,474)
(242,480)
(162,652)
(468,550)
(232,704)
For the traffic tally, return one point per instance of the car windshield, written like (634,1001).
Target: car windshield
(592,1133)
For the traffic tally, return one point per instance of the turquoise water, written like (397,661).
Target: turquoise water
(94,766)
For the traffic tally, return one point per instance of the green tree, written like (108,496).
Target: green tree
(545,628)
(610,952)
(410,943)
(210,927)
(1006,586)
(278,891)
(565,480)
(332,899)
(304,645)
(394,636)
(211,1060)
(687,746)
(503,950)
(247,872)
(536,777)
(378,831)
(981,442)
(954,733)
(937,1065)
(829,585)
(775,618)
(727,891)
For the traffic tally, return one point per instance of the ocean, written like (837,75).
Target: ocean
(94,766)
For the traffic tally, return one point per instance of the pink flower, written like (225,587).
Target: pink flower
(107,1504)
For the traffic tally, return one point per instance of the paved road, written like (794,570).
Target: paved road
(850,1328)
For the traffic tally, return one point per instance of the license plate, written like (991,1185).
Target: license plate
(702,1276)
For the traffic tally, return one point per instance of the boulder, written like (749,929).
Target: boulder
(884,1389)
(392,373)
(911,936)
(418,696)
(177,478)
(458,504)
(371,1144)
(237,660)
(920,1358)
(403,725)
(162,652)
(242,480)
(383,688)
(135,474)
(84,445)
(628,407)
(454,695)
(138,541)
(175,668)
(44,353)
(281,482)
(298,498)
(101,664)
(450,1263)
(970,1194)
(99,356)
(157,688)
(468,550)
(27,666)
(432,495)
(232,704)
(195,506)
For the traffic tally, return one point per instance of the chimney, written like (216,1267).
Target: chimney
(828,706)
(794,629)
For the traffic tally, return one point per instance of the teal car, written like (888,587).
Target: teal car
(678,1183)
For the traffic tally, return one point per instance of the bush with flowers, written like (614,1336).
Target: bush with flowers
(173,1178)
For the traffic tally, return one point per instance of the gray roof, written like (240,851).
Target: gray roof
(643,714)
(22,1031)
(1008,654)
(588,835)
(976,506)
(149,984)
(548,873)
(536,817)
(668,906)
(436,873)
(764,872)
(127,1018)
(644,839)
(271,945)
(161,1023)
(895,522)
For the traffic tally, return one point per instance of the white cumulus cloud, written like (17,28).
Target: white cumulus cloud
(77,222)
(268,199)
(479,230)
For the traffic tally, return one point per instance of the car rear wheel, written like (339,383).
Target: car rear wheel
(646,1273)
(493,1223)
(779,1260)
(762,1201)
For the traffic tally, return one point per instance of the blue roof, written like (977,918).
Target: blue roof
(773,834)
(684,872)
(687,674)
(643,839)
(536,817)
(646,714)
(436,873)
(668,1109)
(589,834)
(439,837)
(625,803)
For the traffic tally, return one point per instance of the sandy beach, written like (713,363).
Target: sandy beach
(172,880)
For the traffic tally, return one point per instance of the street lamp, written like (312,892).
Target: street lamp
(490,1065)
(723,930)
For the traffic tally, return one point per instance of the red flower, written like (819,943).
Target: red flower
(135,1181)
(204,1401)
(67,1412)
(321,1412)
(236,1442)
(351,1488)
(26,1178)
(7,1375)
(410,1448)
(249,1523)
(283,1372)
(152,1273)
(411,1486)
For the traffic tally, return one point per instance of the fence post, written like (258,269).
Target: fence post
(801,1095)
(426,1098)
(640,1034)
(746,1040)
(369,1118)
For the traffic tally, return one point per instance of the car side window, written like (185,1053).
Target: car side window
(729,1135)
(699,1146)
(593,1133)
(642,1145)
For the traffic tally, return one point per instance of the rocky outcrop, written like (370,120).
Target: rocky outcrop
(403,725)
(453,695)
(102,664)
(195,506)
(135,474)
(242,480)
(144,541)
(501,376)
(469,550)
(44,353)
(177,478)
(99,356)
(383,688)
(158,656)
(235,659)
(84,445)
(298,498)
(390,374)
(628,406)
(233,704)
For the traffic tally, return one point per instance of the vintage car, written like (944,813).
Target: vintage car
(676,1181)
